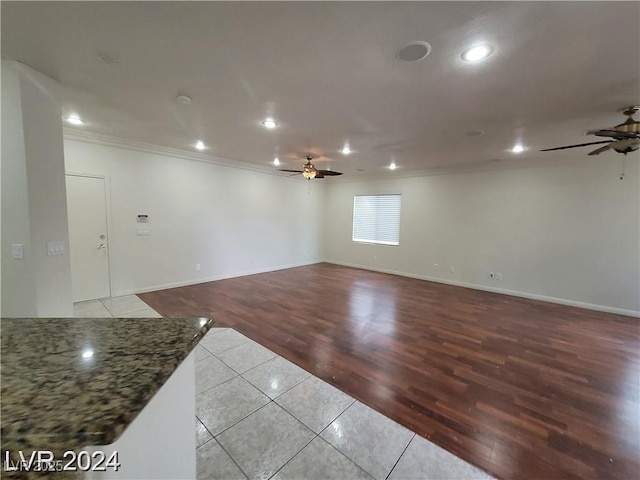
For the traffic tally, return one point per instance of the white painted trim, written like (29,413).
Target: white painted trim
(215,278)
(514,293)
(105,140)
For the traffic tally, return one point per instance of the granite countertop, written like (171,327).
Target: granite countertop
(70,383)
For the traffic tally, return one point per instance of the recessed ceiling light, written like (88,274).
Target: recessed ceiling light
(517,148)
(269,123)
(477,53)
(474,133)
(276,161)
(346,150)
(106,58)
(74,120)
(392,166)
(184,99)
(200,145)
(87,353)
(413,52)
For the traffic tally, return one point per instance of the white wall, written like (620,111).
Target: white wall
(18,281)
(564,232)
(34,209)
(231,221)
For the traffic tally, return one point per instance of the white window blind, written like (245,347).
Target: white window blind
(376,219)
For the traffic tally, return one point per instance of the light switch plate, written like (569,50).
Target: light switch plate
(55,248)
(17,251)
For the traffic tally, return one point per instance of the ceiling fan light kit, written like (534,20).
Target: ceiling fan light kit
(309,170)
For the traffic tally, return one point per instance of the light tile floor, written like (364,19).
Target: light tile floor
(259,416)
(128,306)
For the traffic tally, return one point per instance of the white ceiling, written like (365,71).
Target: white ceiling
(328,73)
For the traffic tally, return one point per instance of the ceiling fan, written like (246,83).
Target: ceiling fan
(309,171)
(625,138)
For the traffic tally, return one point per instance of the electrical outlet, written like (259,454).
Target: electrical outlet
(452,269)
(498,276)
(197,267)
(492,275)
(436,266)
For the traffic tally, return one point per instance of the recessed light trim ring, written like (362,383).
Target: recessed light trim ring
(413,52)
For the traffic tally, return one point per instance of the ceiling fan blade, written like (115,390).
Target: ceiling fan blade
(319,175)
(329,173)
(600,150)
(614,134)
(290,171)
(574,146)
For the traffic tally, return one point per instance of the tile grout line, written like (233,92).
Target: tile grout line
(297,453)
(230,457)
(315,435)
(218,384)
(240,373)
(226,349)
(137,300)
(282,393)
(400,457)
(343,453)
(247,415)
(207,429)
(289,389)
(328,424)
(225,450)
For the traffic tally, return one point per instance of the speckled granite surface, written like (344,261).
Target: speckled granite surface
(69,383)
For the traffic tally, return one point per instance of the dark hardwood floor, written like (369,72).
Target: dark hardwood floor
(522,389)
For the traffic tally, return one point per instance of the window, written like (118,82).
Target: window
(376,219)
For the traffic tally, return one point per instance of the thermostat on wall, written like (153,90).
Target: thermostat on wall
(143,218)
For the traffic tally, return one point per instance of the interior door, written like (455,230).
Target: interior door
(88,237)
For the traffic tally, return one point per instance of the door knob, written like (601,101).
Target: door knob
(102,245)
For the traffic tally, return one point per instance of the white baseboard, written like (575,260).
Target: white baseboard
(164,286)
(514,293)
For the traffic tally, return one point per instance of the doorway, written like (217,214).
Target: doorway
(88,237)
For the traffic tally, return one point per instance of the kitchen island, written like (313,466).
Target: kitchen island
(73,387)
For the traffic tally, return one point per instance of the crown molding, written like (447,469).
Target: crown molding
(100,139)
(466,168)
(105,140)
